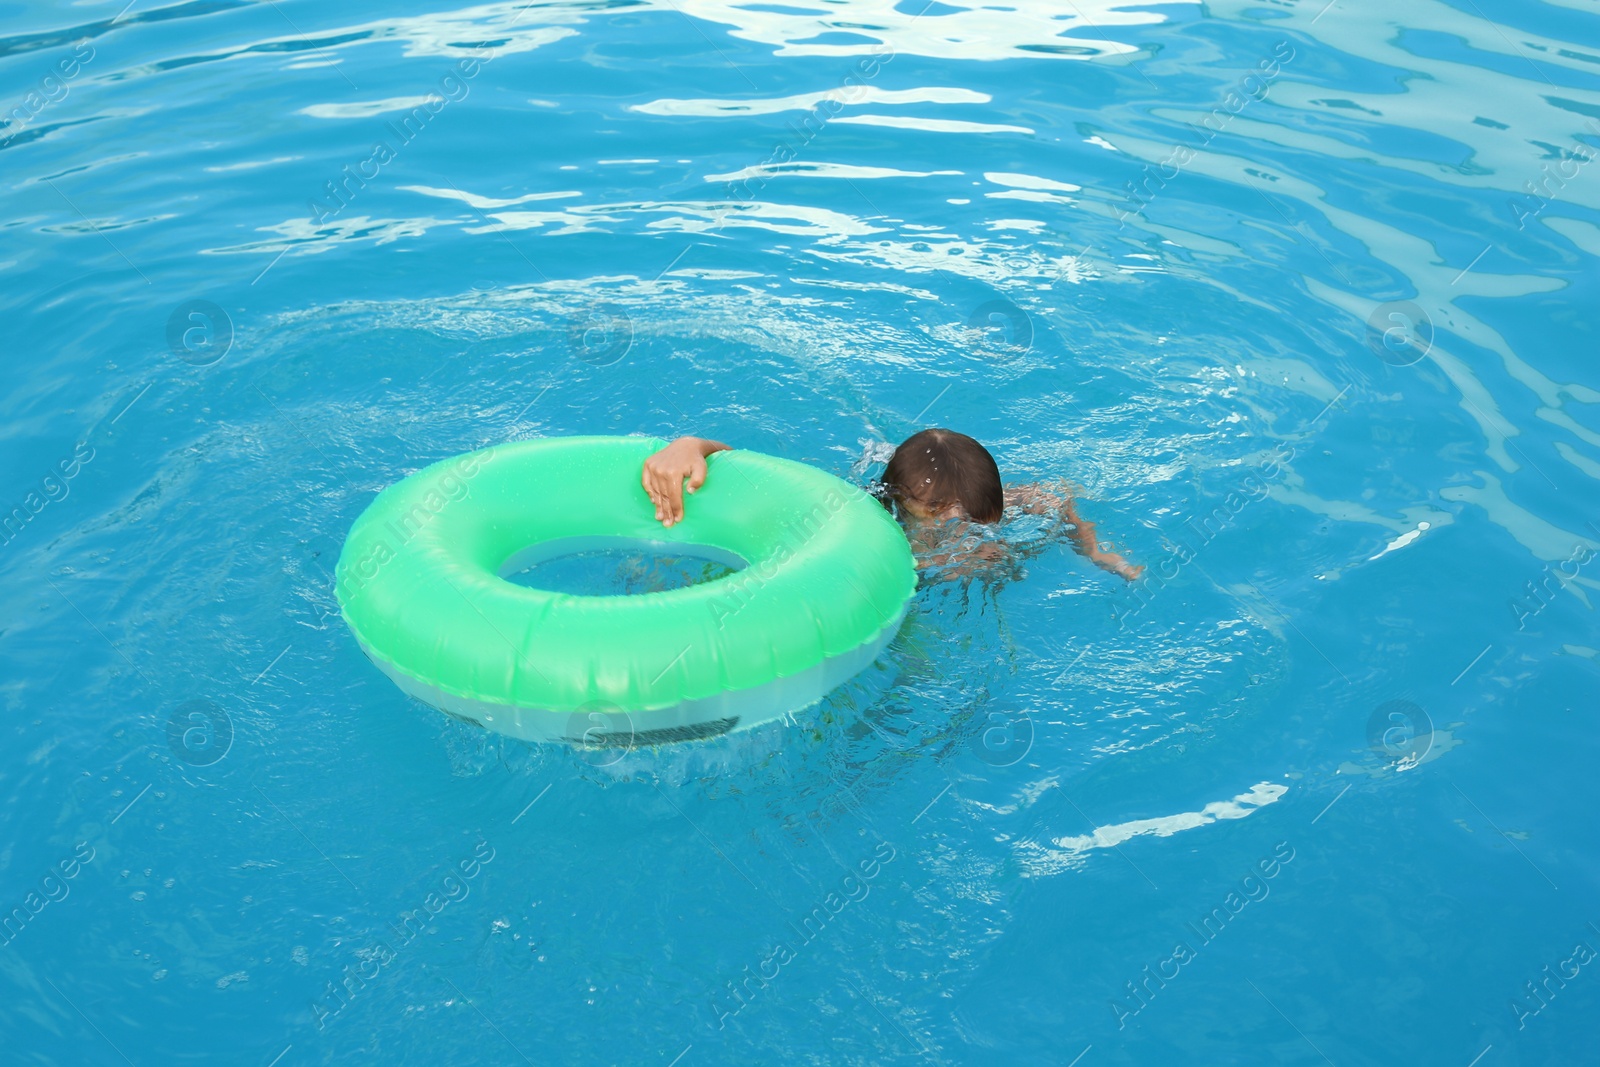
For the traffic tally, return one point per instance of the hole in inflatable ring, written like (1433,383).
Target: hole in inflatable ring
(617,566)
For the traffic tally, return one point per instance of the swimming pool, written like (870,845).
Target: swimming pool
(1300,294)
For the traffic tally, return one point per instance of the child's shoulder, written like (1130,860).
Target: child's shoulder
(1037,498)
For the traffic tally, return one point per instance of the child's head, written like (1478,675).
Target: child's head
(941,474)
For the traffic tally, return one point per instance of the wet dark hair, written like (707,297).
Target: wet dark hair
(941,467)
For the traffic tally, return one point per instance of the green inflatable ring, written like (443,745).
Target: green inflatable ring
(825,581)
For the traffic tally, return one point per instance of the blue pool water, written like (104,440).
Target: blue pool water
(1301,295)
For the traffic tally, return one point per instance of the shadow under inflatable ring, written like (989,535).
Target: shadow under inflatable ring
(825,576)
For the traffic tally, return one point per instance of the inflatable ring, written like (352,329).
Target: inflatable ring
(823,581)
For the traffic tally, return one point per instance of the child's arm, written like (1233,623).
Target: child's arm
(1084,540)
(1040,501)
(665,471)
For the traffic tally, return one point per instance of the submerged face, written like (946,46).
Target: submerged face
(925,512)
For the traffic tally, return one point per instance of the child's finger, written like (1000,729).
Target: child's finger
(697,475)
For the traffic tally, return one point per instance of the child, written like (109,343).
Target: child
(938,483)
